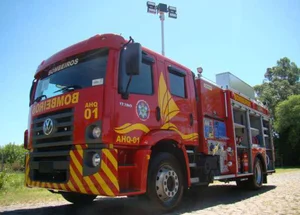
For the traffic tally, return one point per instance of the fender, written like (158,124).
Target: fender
(260,154)
(155,136)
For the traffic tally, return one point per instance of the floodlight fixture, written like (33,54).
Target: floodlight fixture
(172,12)
(151,7)
(161,9)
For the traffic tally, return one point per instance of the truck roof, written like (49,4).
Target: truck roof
(113,40)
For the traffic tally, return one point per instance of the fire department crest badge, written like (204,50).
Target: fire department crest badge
(142,110)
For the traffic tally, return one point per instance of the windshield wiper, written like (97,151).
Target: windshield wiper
(39,98)
(68,88)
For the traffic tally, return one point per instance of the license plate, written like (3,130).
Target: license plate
(45,167)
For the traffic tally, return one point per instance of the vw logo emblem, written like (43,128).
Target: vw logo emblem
(48,126)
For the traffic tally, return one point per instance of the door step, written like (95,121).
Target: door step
(192,164)
(189,151)
(194,180)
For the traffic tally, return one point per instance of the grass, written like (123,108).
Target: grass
(286,169)
(15,192)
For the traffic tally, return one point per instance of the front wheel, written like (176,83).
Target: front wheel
(78,198)
(165,181)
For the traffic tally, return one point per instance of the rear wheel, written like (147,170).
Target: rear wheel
(78,198)
(165,181)
(255,182)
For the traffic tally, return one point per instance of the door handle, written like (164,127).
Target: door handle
(191,119)
(158,117)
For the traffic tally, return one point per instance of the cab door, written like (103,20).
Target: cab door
(136,114)
(181,104)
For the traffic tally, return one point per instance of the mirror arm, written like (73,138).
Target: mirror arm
(125,94)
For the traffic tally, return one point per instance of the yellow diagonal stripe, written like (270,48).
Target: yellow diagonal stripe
(54,185)
(63,186)
(78,147)
(77,181)
(27,166)
(76,162)
(91,185)
(109,174)
(27,160)
(71,186)
(111,158)
(28,182)
(103,184)
(80,151)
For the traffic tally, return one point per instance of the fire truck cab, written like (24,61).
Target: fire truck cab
(110,117)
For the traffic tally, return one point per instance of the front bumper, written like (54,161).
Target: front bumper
(76,179)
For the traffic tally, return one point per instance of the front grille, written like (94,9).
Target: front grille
(62,133)
(50,158)
(54,148)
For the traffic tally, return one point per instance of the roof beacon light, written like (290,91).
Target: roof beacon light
(200,70)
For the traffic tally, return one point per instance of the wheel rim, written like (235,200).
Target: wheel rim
(167,183)
(258,173)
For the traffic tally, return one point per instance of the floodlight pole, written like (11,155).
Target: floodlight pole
(162,19)
(161,9)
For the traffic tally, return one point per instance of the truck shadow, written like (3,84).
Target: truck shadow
(212,196)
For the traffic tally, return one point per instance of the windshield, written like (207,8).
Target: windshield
(79,72)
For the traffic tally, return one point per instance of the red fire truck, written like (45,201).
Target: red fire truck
(109,117)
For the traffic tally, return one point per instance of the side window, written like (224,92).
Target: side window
(142,83)
(177,83)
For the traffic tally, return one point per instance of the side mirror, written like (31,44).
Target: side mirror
(133,59)
(31,92)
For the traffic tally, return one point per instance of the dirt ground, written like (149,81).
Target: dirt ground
(280,196)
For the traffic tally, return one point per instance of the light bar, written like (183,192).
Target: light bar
(151,7)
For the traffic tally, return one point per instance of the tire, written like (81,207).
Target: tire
(255,181)
(78,198)
(165,184)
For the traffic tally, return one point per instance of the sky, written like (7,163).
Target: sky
(242,37)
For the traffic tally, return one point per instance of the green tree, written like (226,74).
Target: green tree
(280,82)
(14,155)
(287,124)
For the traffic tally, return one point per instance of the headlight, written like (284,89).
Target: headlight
(96,132)
(96,159)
